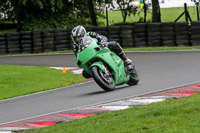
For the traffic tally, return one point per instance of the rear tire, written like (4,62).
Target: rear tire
(105,81)
(134,78)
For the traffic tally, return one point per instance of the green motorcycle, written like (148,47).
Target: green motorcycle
(106,68)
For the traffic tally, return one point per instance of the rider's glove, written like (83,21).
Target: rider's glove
(93,34)
(103,44)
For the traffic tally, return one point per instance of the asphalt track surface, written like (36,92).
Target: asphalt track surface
(157,70)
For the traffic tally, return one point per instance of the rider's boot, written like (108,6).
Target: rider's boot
(127,61)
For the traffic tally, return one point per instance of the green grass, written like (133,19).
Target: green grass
(174,115)
(167,15)
(21,80)
(140,49)
(127,49)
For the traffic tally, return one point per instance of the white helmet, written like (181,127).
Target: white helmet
(77,33)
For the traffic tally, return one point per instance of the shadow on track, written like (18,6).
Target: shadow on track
(103,92)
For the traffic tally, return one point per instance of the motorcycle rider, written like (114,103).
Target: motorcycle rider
(79,31)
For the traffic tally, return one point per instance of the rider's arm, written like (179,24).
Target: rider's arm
(99,37)
(75,49)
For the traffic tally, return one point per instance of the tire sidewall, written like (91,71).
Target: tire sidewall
(100,81)
(133,80)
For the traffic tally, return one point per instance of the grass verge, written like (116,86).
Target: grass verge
(167,15)
(141,49)
(175,115)
(127,49)
(21,80)
(189,48)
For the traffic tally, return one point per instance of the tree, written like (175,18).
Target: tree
(104,3)
(12,10)
(18,11)
(6,11)
(196,1)
(21,10)
(156,15)
(197,7)
(126,8)
(40,14)
(92,13)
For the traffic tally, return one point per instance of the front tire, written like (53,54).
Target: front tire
(103,79)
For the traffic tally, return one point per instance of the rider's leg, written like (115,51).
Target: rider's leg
(115,47)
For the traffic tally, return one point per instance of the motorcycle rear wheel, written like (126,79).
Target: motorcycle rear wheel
(134,78)
(105,81)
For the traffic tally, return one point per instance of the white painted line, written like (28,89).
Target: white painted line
(126,103)
(5,131)
(10,129)
(145,101)
(112,108)
(75,70)
(67,68)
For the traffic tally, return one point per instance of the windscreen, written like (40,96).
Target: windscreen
(85,41)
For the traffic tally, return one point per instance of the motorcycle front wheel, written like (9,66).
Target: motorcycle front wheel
(103,79)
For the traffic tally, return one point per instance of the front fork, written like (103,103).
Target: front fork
(100,65)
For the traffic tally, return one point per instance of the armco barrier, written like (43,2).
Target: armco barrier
(137,35)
